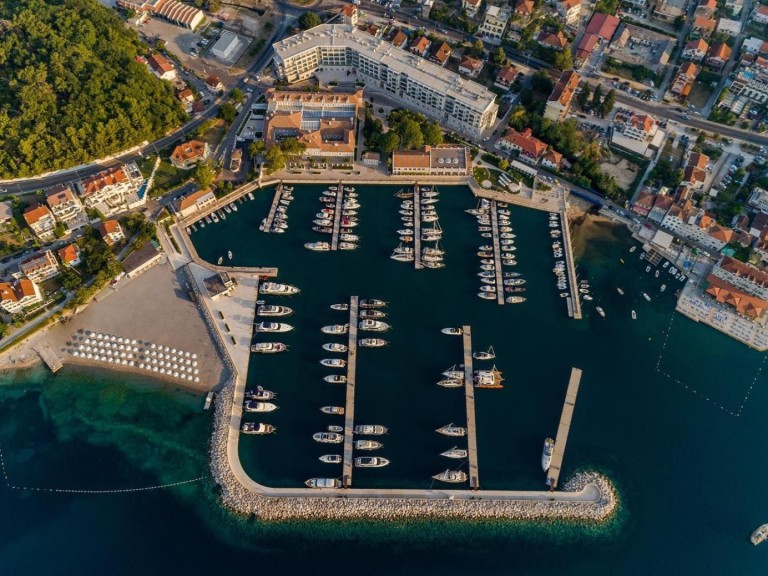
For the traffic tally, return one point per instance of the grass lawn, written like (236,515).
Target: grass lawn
(700,94)
(215,133)
(168,177)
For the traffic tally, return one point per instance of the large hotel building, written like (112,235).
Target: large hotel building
(418,84)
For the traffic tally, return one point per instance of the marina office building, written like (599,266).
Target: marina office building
(411,80)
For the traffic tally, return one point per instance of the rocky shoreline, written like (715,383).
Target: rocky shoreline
(241,500)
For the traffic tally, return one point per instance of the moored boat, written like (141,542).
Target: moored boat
(334,410)
(546,455)
(488,378)
(340,306)
(452,331)
(272,310)
(335,329)
(254,406)
(259,394)
(451,476)
(277,327)
(372,303)
(373,325)
(452,430)
(331,458)
(490,354)
(268,347)
(323,483)
(257,428)
(333,362)
(759,535)
(600,311)
(328,437)
(515,299)
(455,453)
(335,347)
(372,314)
(367,445)
(278,289)
(370,429)
(372,342)
(335,379)
(318,246)
(371,462)
(450,383)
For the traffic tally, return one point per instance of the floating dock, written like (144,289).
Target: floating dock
(417,226)
(553,474)
(575,309)
(469,396)
(496,254)
(349,409)
(50,358)
(273,208)
(337,217)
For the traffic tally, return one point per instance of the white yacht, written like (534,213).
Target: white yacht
(268,347)
(546,455)
(253,406)
(335,329)
(455,453)
(370,429)
(452,331)
(328,437)
(451,476)
(318,246)
(490,354)
(334,410)
(259,394)
(333,362)
(331,459)
(367,445)
(454,372)
(372,314)
(334,347)
(451,383)
(373,325)
(646,297)
(323,483)
(372,303)
(372,342)
(371,462)
(335,379)
(272,327)
(271,310)
(258,428)
(340,306)
(278,289)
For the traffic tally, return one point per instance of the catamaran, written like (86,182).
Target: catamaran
(488,378)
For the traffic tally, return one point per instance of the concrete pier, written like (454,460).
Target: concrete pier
(469,396)
(570,264)
(349,409)
(50,358)
(417,226)
(553,474)
(273,208)
(337,217)
(497,254)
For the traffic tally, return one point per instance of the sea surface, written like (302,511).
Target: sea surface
(670,410)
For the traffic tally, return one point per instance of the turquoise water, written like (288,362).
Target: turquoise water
(689,473)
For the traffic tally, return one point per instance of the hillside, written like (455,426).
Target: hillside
(71,89)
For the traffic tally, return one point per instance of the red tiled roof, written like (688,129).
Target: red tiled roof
(727,293)
(720,51)
(704,23)
(603,25)
(69,253)
(34,214)
(698,160)
(410,159)
(556,40)
(529,145)
(103,179)
(699,45)
(470,63)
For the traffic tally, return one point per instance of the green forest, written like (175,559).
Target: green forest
(71,89)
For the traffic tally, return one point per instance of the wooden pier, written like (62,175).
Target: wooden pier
(469,396)
(50,358)
(575,309)
(553,474)
(417,227)
(496,254)
(349,409)
(273,208)
(337,217)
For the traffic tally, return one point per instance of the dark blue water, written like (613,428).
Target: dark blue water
(689,472)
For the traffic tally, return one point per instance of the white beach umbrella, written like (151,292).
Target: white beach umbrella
(153,346)
(75,353)
(197,379)
(134,342)
(124,362)
(189,362)
(90,356)
(113,338)
(194,363)
(162,370)
(194,355)
(175,374)
(187,354)
(155,369)
(167,348)
(197,371)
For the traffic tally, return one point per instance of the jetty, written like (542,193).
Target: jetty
(497,253)
(273,208)
(50,358)
(349,409)
(469,397)
(553,474)
(337,217)
(574,308)
(417,226)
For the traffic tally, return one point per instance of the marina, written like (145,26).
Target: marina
(337,217)
(273,208)
(553,474)
(469,398)
(349,410)
(573,301)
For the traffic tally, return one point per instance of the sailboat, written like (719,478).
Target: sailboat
(490,354)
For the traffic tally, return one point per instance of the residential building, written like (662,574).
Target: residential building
(40,267)
(735,6)
(441,54)
(754,45)
(470,66)
(494,24)
(570,11)
(400,39)
(669,10)
(187,99)
(371,158)
(686,76)
(41,220)
(21,294)
(584,48)
(555,40)
(529,148)
(695,225)
(186,156)
(637,3)
(760,14)
(161,67)
(730,27)
(703,27)
(694,177)
(759,199)
(640,127)
(660,208)
(525,8)
(6,214)
(552,159)
(695,50)
(644,203)
(603,26)
(70,254)
(111,232)
(443,160)
(751,84)
(507,76)
(141,260)
(66,206)
(349,14)
(213,85)
(698,160)
(744,304)
(324,123)
(227,46)
(718,54)
(413,82)
(113,190)
(706,8)
(744,276)
(471,7)
(420,46)
(195,202)
(559,102)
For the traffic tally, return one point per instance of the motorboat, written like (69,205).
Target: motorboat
(372,303)
(633,248)
(546,455)
(335,329)
(483,254)
(451,476)
(587,297)
(342,307)
(257,428)
(507,235)
(259,394)
(272,327)
(489,354)
(334,347)
(278,289)
(370,429)
(488,378)
(490,273)
(620,291)
(452,331)
(428,264)
(402,257)
(657,274)
(487,288)
(512,274)
(486,295)
(488,280)
(347,246)
(322,229)
(488,268)
(322,222)
(318,246)
(455,453)
(272,310)
(600,311)
(514,282)
(663,287)
(331,459)
(450,383)
(372,314)
(367,445)
(634,315)
(349,237)
(646,297)
(333,362)
(485,248)
(370,462)
(372,342)
(373,325)
(253,406)
(452,430)
(328,437)
(323,483)
(647,268)
(334,428)
(334,410)
(268,347)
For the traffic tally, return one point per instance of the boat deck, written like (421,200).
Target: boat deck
(273,208)
(417,226)
(570,263)
(496,255)
(553,474)
(469,397)
(337,217)
(349,410)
